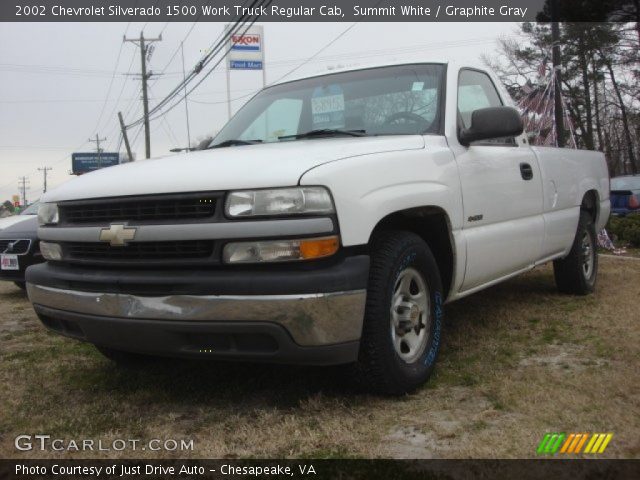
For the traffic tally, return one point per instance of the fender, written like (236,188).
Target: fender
(368,188)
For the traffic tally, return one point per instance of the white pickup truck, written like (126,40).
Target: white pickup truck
(328,222)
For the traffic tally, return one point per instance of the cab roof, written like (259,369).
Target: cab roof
(378,64)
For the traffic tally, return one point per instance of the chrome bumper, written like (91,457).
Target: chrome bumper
(311,319)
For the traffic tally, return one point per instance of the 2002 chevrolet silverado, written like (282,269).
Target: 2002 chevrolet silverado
(328,222)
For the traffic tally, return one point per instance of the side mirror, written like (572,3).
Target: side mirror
(494,122)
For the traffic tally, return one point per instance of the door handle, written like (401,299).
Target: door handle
(526,171)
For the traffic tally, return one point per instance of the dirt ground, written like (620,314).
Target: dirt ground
(518,360)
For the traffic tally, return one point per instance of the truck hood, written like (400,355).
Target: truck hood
(249,166)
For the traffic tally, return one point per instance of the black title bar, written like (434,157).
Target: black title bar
(315,10)
(316,469)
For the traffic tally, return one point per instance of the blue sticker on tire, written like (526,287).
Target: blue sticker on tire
(433,351)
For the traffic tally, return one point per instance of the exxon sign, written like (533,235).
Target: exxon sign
(250,42)
(246,48)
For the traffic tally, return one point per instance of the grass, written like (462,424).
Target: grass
(517,361)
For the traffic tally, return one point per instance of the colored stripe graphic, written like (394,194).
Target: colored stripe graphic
(558,442)
(572,443)
(581,443)
(591,442)
(568,442)
(550,443)
(605,442)
(575,442)
(598,443)
(543,444)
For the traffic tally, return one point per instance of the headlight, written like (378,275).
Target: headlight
(280,250)
(51,251)
(48,214)
(279,201)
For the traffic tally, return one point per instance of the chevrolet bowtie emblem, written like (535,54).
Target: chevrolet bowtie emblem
(117,235)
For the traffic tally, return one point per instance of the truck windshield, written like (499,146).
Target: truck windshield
(393,100)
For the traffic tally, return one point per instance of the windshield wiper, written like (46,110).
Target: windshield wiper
(234,142)
(326,132)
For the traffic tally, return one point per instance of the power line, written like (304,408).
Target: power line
(113,76)
(124,84)
(57,162)
(162,72)
(164,27)
(167,128)
(74,71)
(104,104)
(168,109)
(32,147)
(292,61)
(132,103)
(238,25)
(344,32)
(186,104)
(434,46)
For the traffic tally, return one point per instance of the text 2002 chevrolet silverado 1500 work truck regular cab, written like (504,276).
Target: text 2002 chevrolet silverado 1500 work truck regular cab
(327,223)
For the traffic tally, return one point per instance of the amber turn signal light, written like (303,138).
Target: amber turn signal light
(318,248)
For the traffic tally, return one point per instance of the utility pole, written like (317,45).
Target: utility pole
(557,73)
(125,136)
(228,29)
(44,171)
(98,140)
(24,186)
(143,44)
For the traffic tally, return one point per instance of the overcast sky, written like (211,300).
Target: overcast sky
(55,78)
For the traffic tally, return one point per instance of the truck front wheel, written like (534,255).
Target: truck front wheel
(576,273)
(403,317)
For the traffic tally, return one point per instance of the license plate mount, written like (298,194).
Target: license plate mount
(9,262)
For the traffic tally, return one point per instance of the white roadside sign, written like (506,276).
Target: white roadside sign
(246,49)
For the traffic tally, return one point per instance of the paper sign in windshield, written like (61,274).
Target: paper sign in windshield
(329,104)
(327,107)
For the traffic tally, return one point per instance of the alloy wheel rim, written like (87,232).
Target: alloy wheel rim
(410,315)
(587,255)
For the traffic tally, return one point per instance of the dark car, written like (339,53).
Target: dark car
(625,195)
(19,248)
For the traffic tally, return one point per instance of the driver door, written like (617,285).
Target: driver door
(501,191)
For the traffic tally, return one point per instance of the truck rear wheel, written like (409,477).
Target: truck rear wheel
(576,274)
(403,316)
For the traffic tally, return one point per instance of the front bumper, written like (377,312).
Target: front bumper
(297,316)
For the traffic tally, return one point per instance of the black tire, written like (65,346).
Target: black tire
(124,359)
(380,368)
(20,285)
(571,273)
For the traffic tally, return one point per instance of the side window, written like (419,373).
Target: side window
(475,91)
(280,118)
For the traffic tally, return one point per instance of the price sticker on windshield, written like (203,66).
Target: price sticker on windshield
(327,107)
(328,104)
